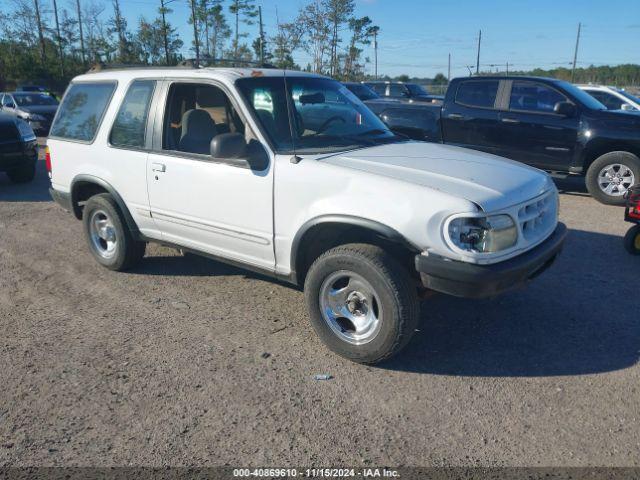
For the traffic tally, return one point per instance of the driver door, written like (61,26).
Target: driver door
(200,202)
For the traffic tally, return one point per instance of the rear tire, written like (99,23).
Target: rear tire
(110,241)
(632,240)
(362,303)
(618,171)
(22,174)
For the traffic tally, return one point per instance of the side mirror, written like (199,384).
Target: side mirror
(566,109)
(228,146)
(234,147)
(627,107)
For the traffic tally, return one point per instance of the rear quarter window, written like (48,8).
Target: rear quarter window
(130,124)
(477,93)
(81,111)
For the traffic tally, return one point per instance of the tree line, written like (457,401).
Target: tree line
(45,41)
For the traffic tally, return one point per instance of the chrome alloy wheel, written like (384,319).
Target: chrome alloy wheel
(616,179)
(103,234)
(350,307)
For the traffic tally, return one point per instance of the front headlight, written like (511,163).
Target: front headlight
(483,234)
(25,131)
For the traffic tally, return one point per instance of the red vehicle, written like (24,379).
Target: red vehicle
(632,214)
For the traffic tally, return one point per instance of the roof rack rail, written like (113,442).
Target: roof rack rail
(100,66)
(186,63)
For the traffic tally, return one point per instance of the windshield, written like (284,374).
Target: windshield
(629,96)
(417,89)
(362,91)
(34,99)
(326,116)
(582,96)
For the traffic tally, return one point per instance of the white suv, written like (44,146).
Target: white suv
(613,98)
(289,174)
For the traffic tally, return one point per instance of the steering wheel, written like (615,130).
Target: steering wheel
(328,122)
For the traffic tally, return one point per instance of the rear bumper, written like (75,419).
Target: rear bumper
(15,155)
(476,281)
(61,198)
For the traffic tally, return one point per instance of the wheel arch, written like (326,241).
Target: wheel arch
(324,232)
(85,186)
(595,150)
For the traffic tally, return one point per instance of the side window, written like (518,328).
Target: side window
(477,93)
(534,97)
(130,124)
(396,90)
(610,101)
(81,111)
(195,114)
(380,88)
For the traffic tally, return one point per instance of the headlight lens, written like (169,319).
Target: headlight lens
(25,131)
(483,234)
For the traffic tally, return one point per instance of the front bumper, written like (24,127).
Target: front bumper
(477,281)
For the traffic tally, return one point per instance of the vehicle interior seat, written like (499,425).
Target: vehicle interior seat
(198,129)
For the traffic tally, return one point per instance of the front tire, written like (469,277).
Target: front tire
(110,241)
(362,303)
(632,240)
(22,174)
(611,175)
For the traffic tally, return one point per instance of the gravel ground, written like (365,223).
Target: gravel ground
(185,361)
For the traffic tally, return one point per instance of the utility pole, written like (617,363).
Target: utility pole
(478,57)
(55,11)
(575,54)
(261,37)
(507,68)
(375,48)
(195,32)
(84,60)
(449,70)
(40,34)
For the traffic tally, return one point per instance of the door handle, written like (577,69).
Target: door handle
(510,120)
(158,167)
(455,116)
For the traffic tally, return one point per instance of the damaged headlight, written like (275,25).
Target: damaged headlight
(483,234)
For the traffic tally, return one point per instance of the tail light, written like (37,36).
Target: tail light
(47,158)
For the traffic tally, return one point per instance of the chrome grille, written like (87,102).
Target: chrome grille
(538,218)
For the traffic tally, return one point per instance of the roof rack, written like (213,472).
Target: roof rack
(186,63)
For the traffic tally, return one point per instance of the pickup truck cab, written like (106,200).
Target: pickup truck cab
(290,175)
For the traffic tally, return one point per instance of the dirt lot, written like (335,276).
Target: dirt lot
(165,365)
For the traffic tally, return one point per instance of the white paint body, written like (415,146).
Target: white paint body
(253,217)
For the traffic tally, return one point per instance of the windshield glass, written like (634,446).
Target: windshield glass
(417,89)
(582,96)
(362,91)
(629,96)
(326,116)
(34,99)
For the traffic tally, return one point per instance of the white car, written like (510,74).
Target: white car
(613,98)
(289,174)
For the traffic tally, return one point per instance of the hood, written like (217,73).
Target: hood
(489,181)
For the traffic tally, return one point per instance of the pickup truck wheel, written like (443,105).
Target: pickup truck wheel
(23,174)
(632,240)
(110,240)
(362,303)
(610,176)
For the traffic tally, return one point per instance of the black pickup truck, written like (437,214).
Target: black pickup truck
(547,123)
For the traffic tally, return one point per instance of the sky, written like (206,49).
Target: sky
(416,36)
